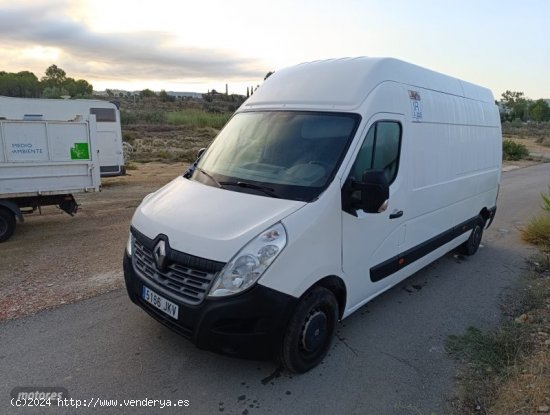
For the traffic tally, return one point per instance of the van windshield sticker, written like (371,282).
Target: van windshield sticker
(416,106)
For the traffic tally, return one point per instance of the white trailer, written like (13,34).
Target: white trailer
(43,163)
(108,131)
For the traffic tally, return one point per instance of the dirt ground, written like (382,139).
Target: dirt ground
(54,259)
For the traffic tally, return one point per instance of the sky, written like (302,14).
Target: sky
(201,45)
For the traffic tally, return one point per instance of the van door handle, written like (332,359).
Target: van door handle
(396,215)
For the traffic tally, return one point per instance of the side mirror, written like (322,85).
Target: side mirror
(200,152)
(189,172)
(371,194)
(375,191)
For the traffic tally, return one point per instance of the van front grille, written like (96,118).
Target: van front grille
(191,285)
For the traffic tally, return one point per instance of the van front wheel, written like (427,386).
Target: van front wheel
(310,331)
(471,246)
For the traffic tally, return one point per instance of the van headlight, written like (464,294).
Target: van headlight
(250,263)
(130,244)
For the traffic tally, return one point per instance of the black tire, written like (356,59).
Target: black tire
(471,246)
(7,224)
(310,331)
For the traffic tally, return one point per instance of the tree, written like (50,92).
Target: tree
(56,80)
(165,97)
(539,110)
(54,92)
(515,105)
(29,85)
(269,74)
(55,77)
(84,88)
(22,84)
(147,93)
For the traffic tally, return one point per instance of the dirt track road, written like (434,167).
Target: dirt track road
(55,259)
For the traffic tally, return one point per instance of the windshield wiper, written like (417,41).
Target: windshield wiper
(266,190)
(217,183)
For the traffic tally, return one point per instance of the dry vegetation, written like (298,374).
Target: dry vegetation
(171,143)
(507,370)
(534,136)
(173,130)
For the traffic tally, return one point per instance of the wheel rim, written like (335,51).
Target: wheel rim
(314,331)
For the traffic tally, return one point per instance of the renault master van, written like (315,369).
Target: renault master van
(335,181)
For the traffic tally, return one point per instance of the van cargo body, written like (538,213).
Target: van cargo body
(335,181)
(44,163)
(108,131)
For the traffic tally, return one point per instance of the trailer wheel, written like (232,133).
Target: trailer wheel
(471,246)
(7,224)
(310,331)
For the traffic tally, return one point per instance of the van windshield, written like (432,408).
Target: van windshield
(285,154)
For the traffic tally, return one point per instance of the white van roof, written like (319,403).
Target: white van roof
(345,83)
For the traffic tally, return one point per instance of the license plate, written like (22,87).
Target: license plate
(159,302)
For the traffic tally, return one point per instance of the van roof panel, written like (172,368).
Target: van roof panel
(345,83)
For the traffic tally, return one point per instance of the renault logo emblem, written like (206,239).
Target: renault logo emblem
(159,253)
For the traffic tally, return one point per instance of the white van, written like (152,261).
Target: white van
(108,131)
(335,181)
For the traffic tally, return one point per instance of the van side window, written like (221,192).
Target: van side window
(380,150)
(104,114)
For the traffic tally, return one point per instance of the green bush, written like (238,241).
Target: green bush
(127,118)
(537,232)
(153,117)
(513,151)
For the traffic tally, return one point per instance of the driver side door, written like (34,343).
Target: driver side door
(370,239)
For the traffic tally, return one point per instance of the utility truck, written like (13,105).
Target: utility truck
(44,163)
(335,181)
(108,132)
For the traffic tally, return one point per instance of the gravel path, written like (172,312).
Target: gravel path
(56,259)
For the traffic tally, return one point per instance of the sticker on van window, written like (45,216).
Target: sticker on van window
(80,151)
(416,106)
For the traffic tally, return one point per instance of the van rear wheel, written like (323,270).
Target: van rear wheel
(471,246)
(7,224)
(310,331)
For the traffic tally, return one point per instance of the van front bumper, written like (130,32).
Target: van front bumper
(251,324)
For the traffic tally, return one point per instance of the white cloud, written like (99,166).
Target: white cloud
(125,56)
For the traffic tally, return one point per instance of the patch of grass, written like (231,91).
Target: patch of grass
(142,117)
(514,151)
(490,351)
(488,358)
(537,232)
(198,118)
